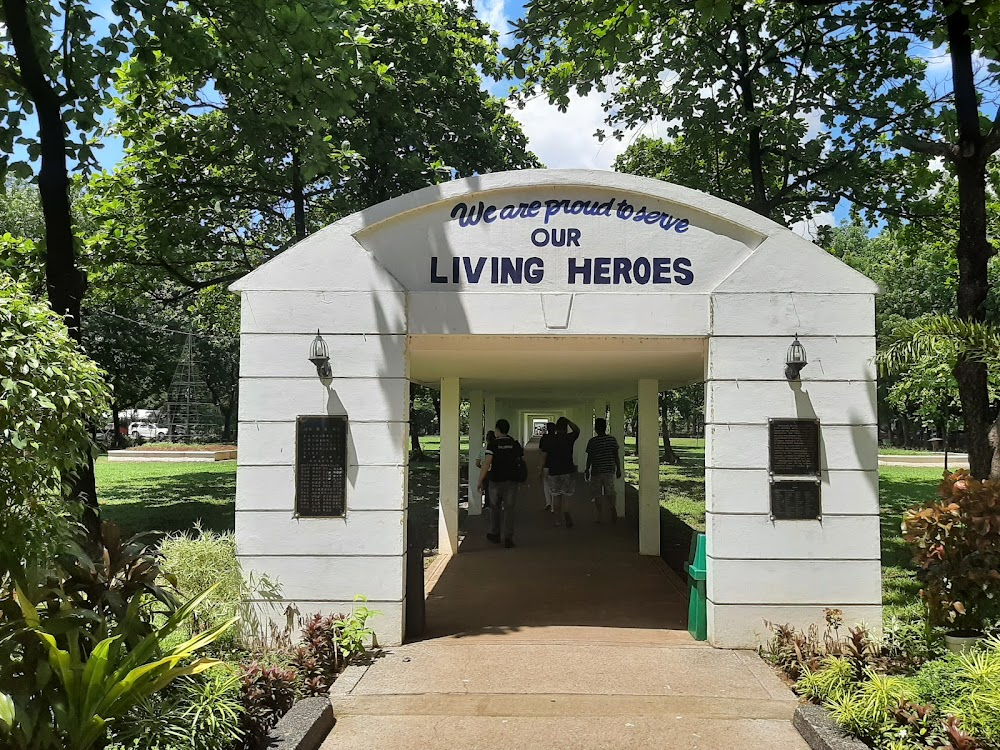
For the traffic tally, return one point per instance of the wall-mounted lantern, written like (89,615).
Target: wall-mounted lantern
(795,360)
(319,355)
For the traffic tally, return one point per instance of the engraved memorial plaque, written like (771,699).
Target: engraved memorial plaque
(793,446)
(795,501)
(321,466)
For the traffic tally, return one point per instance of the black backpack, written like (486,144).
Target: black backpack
(521,469)
(512,466)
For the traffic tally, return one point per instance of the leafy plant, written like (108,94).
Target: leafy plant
(49,393)
(833,678)
(83,690)
(268,694)
(799,652)
(202,712)
(328,644)
(203,558)
(956,543)
(868,710)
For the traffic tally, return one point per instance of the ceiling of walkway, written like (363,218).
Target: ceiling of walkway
(556,366)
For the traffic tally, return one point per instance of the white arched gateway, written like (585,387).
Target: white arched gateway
(562,292)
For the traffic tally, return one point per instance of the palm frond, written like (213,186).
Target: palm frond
(938,338)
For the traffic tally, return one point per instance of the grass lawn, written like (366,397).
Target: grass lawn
(167,496)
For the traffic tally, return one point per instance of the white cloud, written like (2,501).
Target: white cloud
(564,140)
(809,228)
(493,12)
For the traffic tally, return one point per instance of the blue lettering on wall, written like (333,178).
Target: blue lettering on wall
(600,271)
(470,215)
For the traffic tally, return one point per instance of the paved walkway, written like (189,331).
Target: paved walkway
(570,640)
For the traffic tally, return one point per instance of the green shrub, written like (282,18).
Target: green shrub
(197,713)
(956,545)
(195,560)
(867,711)
(200,559)
(835,677)
(912,713)
(89,685)
(49,393)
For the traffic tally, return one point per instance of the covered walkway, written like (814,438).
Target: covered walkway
(563,584)
(570,640)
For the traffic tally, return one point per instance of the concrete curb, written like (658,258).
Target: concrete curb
(821,732)
(304,727)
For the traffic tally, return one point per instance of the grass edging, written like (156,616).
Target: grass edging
(821,732)
(304,727)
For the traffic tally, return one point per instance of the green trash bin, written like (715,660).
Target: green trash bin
(697,606)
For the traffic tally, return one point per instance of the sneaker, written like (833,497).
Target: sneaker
(495,538)
(508,542)
(569,521)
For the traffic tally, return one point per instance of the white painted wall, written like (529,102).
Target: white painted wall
(365,283)
(789,571)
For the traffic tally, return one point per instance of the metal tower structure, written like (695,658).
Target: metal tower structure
(189,413)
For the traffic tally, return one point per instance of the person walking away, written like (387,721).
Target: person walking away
(543,470)
(562,470)
(604,465)
(501,465)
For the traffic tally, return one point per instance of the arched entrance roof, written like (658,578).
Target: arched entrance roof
(569,291)
(388,246)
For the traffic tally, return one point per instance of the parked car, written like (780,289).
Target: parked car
(146,431)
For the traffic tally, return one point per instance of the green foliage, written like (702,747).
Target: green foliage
(202,712)
(199,559)
(868,710)
(911,713)
(832,679)
(49,393)
(956,544)
(268,694)
(84,689)
(739,82)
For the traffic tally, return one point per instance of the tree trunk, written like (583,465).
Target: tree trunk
(298,196)
(755,151)
(116,418)
(227,421)
(64,281)
(415,447)
(669,456)
(973,249)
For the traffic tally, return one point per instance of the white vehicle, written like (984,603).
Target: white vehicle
(146,431)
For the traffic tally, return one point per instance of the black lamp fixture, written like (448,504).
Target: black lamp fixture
(319,355)
(795,360)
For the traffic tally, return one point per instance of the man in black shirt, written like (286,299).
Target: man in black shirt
(562,470)
(603,467)
(501,464)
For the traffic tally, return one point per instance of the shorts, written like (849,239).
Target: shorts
(603,484)
(561,484)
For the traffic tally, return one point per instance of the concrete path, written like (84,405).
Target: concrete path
(570,640)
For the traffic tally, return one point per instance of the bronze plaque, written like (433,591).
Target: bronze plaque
(795,501)
(321,466)
(793,446)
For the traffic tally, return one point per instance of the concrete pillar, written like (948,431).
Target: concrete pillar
(490,410)
(449,465)
(649,467)
(476,432)
(616,427)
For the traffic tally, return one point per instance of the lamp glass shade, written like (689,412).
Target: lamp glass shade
(318,350)
(796,354)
